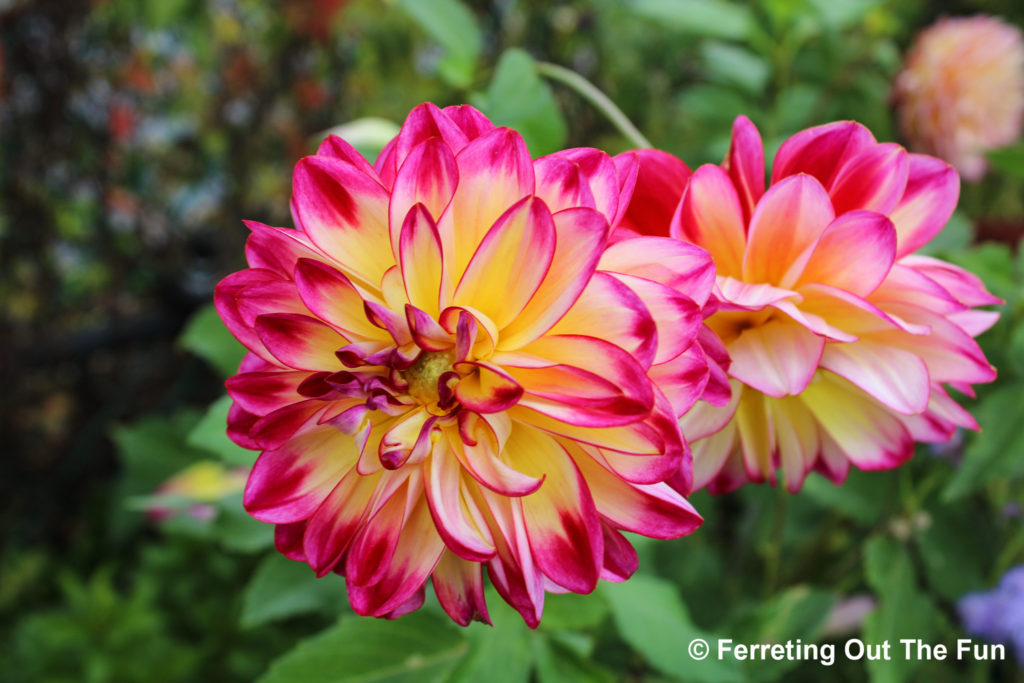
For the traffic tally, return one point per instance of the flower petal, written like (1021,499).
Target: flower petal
(511,262)
(288,484)
(745,164)
(333,298)
(495,172)
(487,389)
(673,263)
(778,358)
(561,521)
(821,151)
(335,522)
(933,188)
(897,378)
(607,308)
(711,216)
(299,341)
(653,510)
(581,235)
(459,586)
(344,212)
(873,180)
(855,253)
(456,517)
(660,182)
(428,177)
(787,222)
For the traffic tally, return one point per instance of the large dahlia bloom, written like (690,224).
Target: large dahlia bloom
(451,369)
(961,91)
(842,340)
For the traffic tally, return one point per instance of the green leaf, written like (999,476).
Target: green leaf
(237,530)
(857,498)
(568,611)
(453,25)
(417,648)
(735,65)
(519,98)
(206,336)
(998,450)
(153,449)
(903,611)
(282,588)
(1009,160)
(500,653)
(710,18)
(556,663)
(211,435)
(837,16)
(652,618)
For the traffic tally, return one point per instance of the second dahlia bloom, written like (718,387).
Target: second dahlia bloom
(842,340)
(450,369)
(961,91)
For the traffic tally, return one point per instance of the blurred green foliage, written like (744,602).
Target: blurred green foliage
(136,136)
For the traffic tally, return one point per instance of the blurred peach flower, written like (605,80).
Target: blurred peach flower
(961,91)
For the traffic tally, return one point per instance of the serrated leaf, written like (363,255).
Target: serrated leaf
(652,618)
(211,434)
(706,18)
(452,24)
(282,588)
(520,99)
(206,336)
(417,648)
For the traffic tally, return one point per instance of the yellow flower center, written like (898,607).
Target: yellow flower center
(422,375)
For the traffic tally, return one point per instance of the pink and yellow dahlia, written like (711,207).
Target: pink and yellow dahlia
(450,368)
(842,340)
(961,91)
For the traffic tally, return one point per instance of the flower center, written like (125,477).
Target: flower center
(422,375)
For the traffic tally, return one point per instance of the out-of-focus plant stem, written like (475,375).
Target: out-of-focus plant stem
(592,94)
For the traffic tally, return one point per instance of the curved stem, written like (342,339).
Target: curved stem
(591,93)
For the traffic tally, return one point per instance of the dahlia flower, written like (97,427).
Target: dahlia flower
(450,368)
(842,340)
(961,91)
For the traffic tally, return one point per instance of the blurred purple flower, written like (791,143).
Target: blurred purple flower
(998,614)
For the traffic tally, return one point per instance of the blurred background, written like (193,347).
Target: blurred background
(135,135)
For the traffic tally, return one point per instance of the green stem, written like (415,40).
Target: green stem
(592,94)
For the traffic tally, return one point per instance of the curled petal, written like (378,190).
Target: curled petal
(299,341)
(333,298)
(427,178)
(419,254)
(459,586)
(855,253)
(681,266)
(487,389)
